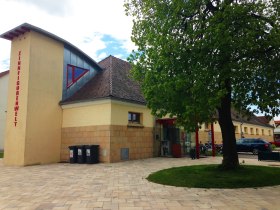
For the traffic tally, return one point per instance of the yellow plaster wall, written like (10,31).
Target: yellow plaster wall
(103,112)
(14,145)
(120,113)
(87,114)
(37,137)
(267,135)
(44,115)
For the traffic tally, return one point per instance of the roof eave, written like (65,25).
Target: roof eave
(25,27)
(103,98)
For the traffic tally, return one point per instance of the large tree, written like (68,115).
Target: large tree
(196,58)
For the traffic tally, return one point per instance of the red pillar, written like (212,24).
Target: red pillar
(196,143)
(213,141)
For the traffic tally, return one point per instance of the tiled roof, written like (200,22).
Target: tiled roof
(263,119)
(112,82)
(2,74)
(250,119)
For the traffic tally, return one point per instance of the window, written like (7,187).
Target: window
(269,132)
(236,129)
(262,131)
(74,73)
(245,130)
(134,117)
(251,131)
(257,131)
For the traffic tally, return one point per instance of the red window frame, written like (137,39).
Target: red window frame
(73,79)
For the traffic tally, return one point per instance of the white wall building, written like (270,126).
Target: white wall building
(4,79)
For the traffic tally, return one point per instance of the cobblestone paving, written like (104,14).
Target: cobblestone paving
(122,186)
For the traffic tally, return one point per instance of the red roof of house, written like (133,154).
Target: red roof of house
(2,74)
(263,119)
(112,82)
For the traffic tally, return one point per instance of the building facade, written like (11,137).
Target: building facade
(58,96)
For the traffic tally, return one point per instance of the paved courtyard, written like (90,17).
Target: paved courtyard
(121,186)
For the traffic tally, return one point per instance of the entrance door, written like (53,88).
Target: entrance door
(171,136)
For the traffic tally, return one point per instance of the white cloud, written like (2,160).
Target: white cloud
(52,7)
(81,22)
(101,56)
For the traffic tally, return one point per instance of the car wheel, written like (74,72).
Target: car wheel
(255,151)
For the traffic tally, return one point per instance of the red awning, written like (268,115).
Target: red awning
(169,121)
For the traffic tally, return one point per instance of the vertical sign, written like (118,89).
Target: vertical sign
(16,107)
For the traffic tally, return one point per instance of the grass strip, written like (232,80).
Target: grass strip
(212,176)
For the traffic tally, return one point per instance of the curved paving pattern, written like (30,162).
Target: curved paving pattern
(121,186)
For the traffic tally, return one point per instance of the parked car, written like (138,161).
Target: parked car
(276,143)
(252,145)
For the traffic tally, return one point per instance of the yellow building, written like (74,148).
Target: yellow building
(245,127)
(58,96)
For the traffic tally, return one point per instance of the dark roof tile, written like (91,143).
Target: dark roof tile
(112,82)
(248,118)
(2,74)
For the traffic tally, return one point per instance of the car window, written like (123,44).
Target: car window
(240,141)
(247,141)
(257,141)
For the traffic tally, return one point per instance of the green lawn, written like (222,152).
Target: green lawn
(211,176)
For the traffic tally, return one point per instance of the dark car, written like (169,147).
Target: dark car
(276,143)
(252,145)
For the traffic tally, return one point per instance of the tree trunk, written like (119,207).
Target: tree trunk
(230,157)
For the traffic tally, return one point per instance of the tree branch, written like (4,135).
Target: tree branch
(210,7)
(262,18)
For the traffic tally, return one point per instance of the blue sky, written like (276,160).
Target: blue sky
(99,28)
(113,47)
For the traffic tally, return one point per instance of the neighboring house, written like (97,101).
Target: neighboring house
(4,79)
(58,96)
(245,126)
(276,129)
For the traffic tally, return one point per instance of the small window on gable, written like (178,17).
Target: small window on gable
(74,73)
(134,117)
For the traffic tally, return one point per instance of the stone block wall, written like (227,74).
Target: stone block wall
(110,138)
(139,141)
(98,135)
